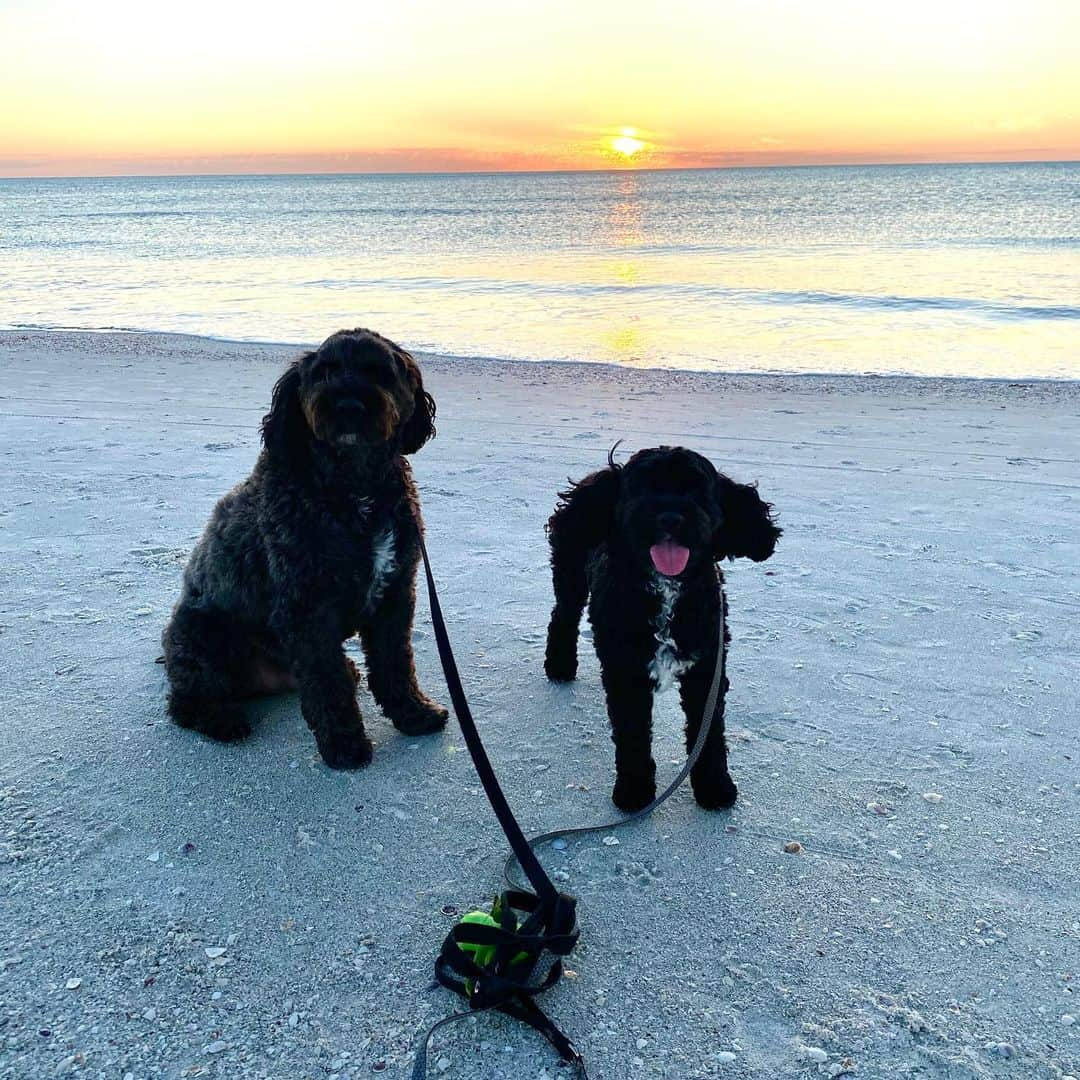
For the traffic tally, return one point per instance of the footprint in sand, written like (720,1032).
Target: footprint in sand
(160,556)
(915,607)
(950,754)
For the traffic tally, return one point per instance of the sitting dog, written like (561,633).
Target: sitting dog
(641,542)
(318,543)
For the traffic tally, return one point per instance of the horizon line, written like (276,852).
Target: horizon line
(620,170)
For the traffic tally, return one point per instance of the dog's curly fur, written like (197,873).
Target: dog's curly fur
(320,542)
(648,627)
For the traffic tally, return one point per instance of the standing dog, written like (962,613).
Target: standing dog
(318,543)
(641,542)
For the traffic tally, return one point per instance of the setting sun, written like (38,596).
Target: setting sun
(626,144)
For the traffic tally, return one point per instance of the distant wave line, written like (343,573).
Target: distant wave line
(716,292)
(327,211)
(612,248)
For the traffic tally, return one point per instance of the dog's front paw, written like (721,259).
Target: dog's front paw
(224,721)
(560,665)
(420,718)
(230,726)
(346,751)
(714,792)
(631,795)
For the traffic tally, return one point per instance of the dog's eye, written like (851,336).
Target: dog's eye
(691,480)
(378,374)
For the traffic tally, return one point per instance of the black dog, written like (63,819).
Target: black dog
(641,541)
(320,542)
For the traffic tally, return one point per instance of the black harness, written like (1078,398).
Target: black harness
(503,960)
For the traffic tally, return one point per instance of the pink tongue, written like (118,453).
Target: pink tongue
(669,558)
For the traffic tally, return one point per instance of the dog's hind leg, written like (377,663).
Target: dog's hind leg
(571,592)
(583,518)
(387,641)
(208,662)
(713,787)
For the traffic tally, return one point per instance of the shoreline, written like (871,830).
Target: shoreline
(925,382)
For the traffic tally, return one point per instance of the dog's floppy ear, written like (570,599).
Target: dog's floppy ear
(284,426)
(585,514)
(421,425)
(746,529)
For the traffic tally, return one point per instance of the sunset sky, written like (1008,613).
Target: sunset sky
(120,86)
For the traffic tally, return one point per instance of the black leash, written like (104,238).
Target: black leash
(503,960)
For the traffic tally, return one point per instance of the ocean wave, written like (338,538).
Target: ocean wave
(828,247)
(794,298)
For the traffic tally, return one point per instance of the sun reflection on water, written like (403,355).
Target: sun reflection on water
(625,217)
(627,343)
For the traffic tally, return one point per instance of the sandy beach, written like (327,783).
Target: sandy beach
(905,704)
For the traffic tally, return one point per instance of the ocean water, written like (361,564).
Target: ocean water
(957,270)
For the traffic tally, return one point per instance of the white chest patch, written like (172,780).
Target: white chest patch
(666,664)
(383,563)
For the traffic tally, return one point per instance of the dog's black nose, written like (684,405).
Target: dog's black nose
(354,405)
(670,523)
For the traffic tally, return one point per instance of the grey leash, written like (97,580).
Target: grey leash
(684,772)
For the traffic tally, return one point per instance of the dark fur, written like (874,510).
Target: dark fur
(284,571)
(600,535)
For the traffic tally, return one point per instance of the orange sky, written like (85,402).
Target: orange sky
(131,86)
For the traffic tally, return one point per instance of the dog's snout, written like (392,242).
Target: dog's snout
(670,522)
(351,404)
